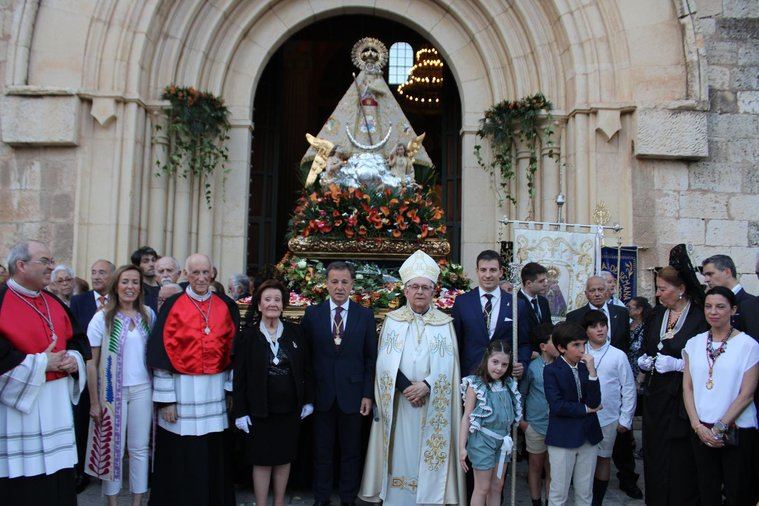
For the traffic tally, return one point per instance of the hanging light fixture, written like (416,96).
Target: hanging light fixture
(425,79)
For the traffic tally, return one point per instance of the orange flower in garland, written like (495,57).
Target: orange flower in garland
(351,213)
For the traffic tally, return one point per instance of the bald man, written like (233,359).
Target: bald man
(190,352)
(597,293)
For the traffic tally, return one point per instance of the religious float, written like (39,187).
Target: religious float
(366,199)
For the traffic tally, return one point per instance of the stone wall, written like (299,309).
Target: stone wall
(37,185)
(712,204)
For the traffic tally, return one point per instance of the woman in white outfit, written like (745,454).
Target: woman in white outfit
(120,387)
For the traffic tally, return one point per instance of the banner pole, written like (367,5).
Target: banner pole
(516,286)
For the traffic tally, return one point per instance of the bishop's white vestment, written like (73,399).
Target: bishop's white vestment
(413,452)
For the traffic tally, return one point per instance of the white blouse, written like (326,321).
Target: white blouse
(135,370)
(741,354)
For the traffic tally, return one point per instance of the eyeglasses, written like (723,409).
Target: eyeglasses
(47,262)
(423,288)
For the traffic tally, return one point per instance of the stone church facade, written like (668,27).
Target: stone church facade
(656,113)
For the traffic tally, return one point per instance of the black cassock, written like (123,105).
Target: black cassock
(669,465)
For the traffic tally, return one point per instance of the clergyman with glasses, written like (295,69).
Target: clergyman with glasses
(417,379)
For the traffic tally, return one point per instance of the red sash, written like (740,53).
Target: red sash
(28,332)
(189,348)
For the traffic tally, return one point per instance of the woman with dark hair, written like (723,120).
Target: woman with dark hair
(668,461)
(720,376)
(640,312)
(121,397)
(273,390)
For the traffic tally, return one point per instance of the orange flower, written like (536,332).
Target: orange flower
(349,233)
(362,230)
(437,214)
(413,217)
(385,210)
(396,233)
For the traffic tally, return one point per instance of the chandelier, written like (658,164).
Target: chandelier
(425,78)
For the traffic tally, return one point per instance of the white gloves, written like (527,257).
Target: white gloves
(243,423)
(665,363)
(307,410)
(645,362)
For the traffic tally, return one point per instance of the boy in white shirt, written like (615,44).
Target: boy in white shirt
(618,395)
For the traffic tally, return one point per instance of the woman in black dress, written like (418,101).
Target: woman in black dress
(668,461)
(273,391)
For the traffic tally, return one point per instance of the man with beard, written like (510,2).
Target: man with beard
(145,258)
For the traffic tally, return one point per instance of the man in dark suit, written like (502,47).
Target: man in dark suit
(719,270)
(343,340)
(534,284)
(83,307)
(485,313)
(597,294)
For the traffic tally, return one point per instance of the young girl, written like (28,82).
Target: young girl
(491,406)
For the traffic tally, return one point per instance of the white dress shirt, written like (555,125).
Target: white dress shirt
(344,315)
(495,302)
(530,298)
(618,392)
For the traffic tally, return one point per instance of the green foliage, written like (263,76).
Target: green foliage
(197,128)
(504,124)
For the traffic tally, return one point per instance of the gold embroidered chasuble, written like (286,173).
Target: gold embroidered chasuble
(413,455)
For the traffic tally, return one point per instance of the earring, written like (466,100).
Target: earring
(680,296)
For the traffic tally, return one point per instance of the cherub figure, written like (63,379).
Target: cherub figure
(337,159)
(400,164)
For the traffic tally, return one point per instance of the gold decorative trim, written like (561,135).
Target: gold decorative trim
(370,248)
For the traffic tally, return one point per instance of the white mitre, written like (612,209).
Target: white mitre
(419,265)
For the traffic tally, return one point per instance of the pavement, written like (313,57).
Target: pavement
(244,495)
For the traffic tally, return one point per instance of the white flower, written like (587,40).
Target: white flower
(359,276)
(302,264)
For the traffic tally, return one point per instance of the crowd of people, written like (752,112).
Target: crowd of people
(157,364)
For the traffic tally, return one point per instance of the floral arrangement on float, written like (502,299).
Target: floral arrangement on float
(351,213)
(374,287)
(197,128)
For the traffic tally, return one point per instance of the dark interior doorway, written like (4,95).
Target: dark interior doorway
(300,87)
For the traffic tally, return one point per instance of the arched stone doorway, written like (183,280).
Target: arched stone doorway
(300,86)
(96,82)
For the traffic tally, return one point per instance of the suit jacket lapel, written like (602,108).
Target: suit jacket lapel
(350,324)
(504,311)
(477,310)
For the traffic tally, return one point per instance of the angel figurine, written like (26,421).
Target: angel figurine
(337,159)
(401,160)
(324,150)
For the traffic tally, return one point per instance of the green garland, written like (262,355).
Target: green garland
(506,122)
(197,127)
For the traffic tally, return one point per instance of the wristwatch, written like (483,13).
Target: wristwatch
(720,427)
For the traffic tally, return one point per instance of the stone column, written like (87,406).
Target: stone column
(549,180)
(158,186)
(524,203)
(479,209)
(579,198)
(182,218)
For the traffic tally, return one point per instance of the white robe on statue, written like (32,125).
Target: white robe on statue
(413,452)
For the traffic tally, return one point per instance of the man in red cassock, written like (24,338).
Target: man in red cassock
(42,364)
(190,350)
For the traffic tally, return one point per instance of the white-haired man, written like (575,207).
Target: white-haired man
(238,286)
(611,287)
(42,363)
(190,351)
(167,270)
(417,378)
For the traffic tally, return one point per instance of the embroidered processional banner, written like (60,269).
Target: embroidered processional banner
(570,257)
(628,269)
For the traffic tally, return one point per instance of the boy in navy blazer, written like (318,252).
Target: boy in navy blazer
(574,396)
(343,340)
